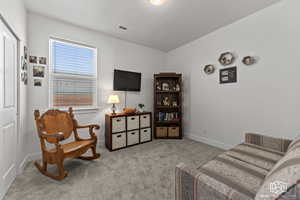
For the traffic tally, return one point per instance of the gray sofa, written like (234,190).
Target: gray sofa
(262,168)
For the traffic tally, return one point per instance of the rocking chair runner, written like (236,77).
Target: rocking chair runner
(55,126)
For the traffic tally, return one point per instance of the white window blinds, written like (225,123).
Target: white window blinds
(74,75)
(73,59)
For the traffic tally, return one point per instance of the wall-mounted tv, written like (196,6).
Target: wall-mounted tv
(127,81)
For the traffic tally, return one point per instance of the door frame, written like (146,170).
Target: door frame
(5,22)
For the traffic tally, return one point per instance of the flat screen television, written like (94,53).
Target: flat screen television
(127,81)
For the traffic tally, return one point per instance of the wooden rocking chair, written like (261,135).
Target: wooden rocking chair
(55,126)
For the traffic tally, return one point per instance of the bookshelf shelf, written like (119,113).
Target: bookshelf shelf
(167,106)
(168,122)
(167,91)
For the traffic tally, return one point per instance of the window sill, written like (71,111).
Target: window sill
(80,110)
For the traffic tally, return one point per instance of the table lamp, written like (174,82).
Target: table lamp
(113,99)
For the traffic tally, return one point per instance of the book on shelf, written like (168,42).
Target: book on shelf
(170,116)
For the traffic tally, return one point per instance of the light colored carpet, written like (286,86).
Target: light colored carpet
(144,172)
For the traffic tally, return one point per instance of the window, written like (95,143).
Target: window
(73,75)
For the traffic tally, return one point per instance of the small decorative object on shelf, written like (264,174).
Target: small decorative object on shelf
(165,87)
(174,103)
(113,99)
(249,60)
(167,106)
(129,110)
(141,107)
(177,87)
(209,69)
(226,58)
(166,101)
(158,86)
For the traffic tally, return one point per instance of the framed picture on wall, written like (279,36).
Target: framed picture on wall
(33,59)
(37,82)
(228,75)
(25,53)
(43,60)
(38,71)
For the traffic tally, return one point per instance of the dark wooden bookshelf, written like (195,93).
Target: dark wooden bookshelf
(167,106)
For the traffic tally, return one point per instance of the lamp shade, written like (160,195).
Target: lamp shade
(157,2)
(113,99)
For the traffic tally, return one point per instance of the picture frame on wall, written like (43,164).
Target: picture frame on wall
(37,82)
(24,77)
(25,53)
(228,75)
(43,60)
(38,71)
(24,64)
(33,59)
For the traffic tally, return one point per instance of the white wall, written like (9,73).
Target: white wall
(14,13)
(266,98)
(112,53)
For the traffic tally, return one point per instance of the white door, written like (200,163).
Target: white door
(8,108)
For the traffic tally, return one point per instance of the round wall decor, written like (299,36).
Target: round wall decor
(226,58)
(209,69)
(249,60)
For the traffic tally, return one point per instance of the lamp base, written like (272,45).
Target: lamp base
(114,109)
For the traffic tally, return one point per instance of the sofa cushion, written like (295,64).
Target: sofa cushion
(283,179)
(268,142)
(233,178)
(256,155)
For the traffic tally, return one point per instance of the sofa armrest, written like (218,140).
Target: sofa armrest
(277,144)
(184,182)
(189,185)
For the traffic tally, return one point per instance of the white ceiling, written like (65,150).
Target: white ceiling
(163,27)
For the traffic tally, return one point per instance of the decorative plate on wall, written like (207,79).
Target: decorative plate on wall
(226,58)
(249,60)
(209,69)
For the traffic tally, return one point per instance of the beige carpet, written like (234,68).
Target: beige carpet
(144,172)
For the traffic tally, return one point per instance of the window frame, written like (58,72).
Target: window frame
(52,74)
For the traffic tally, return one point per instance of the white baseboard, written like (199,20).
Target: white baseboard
(208,141)
(22,165)
(2,194)
(28,158)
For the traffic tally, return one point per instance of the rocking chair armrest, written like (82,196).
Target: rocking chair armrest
(92,126)
(59,136)
(91,132)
